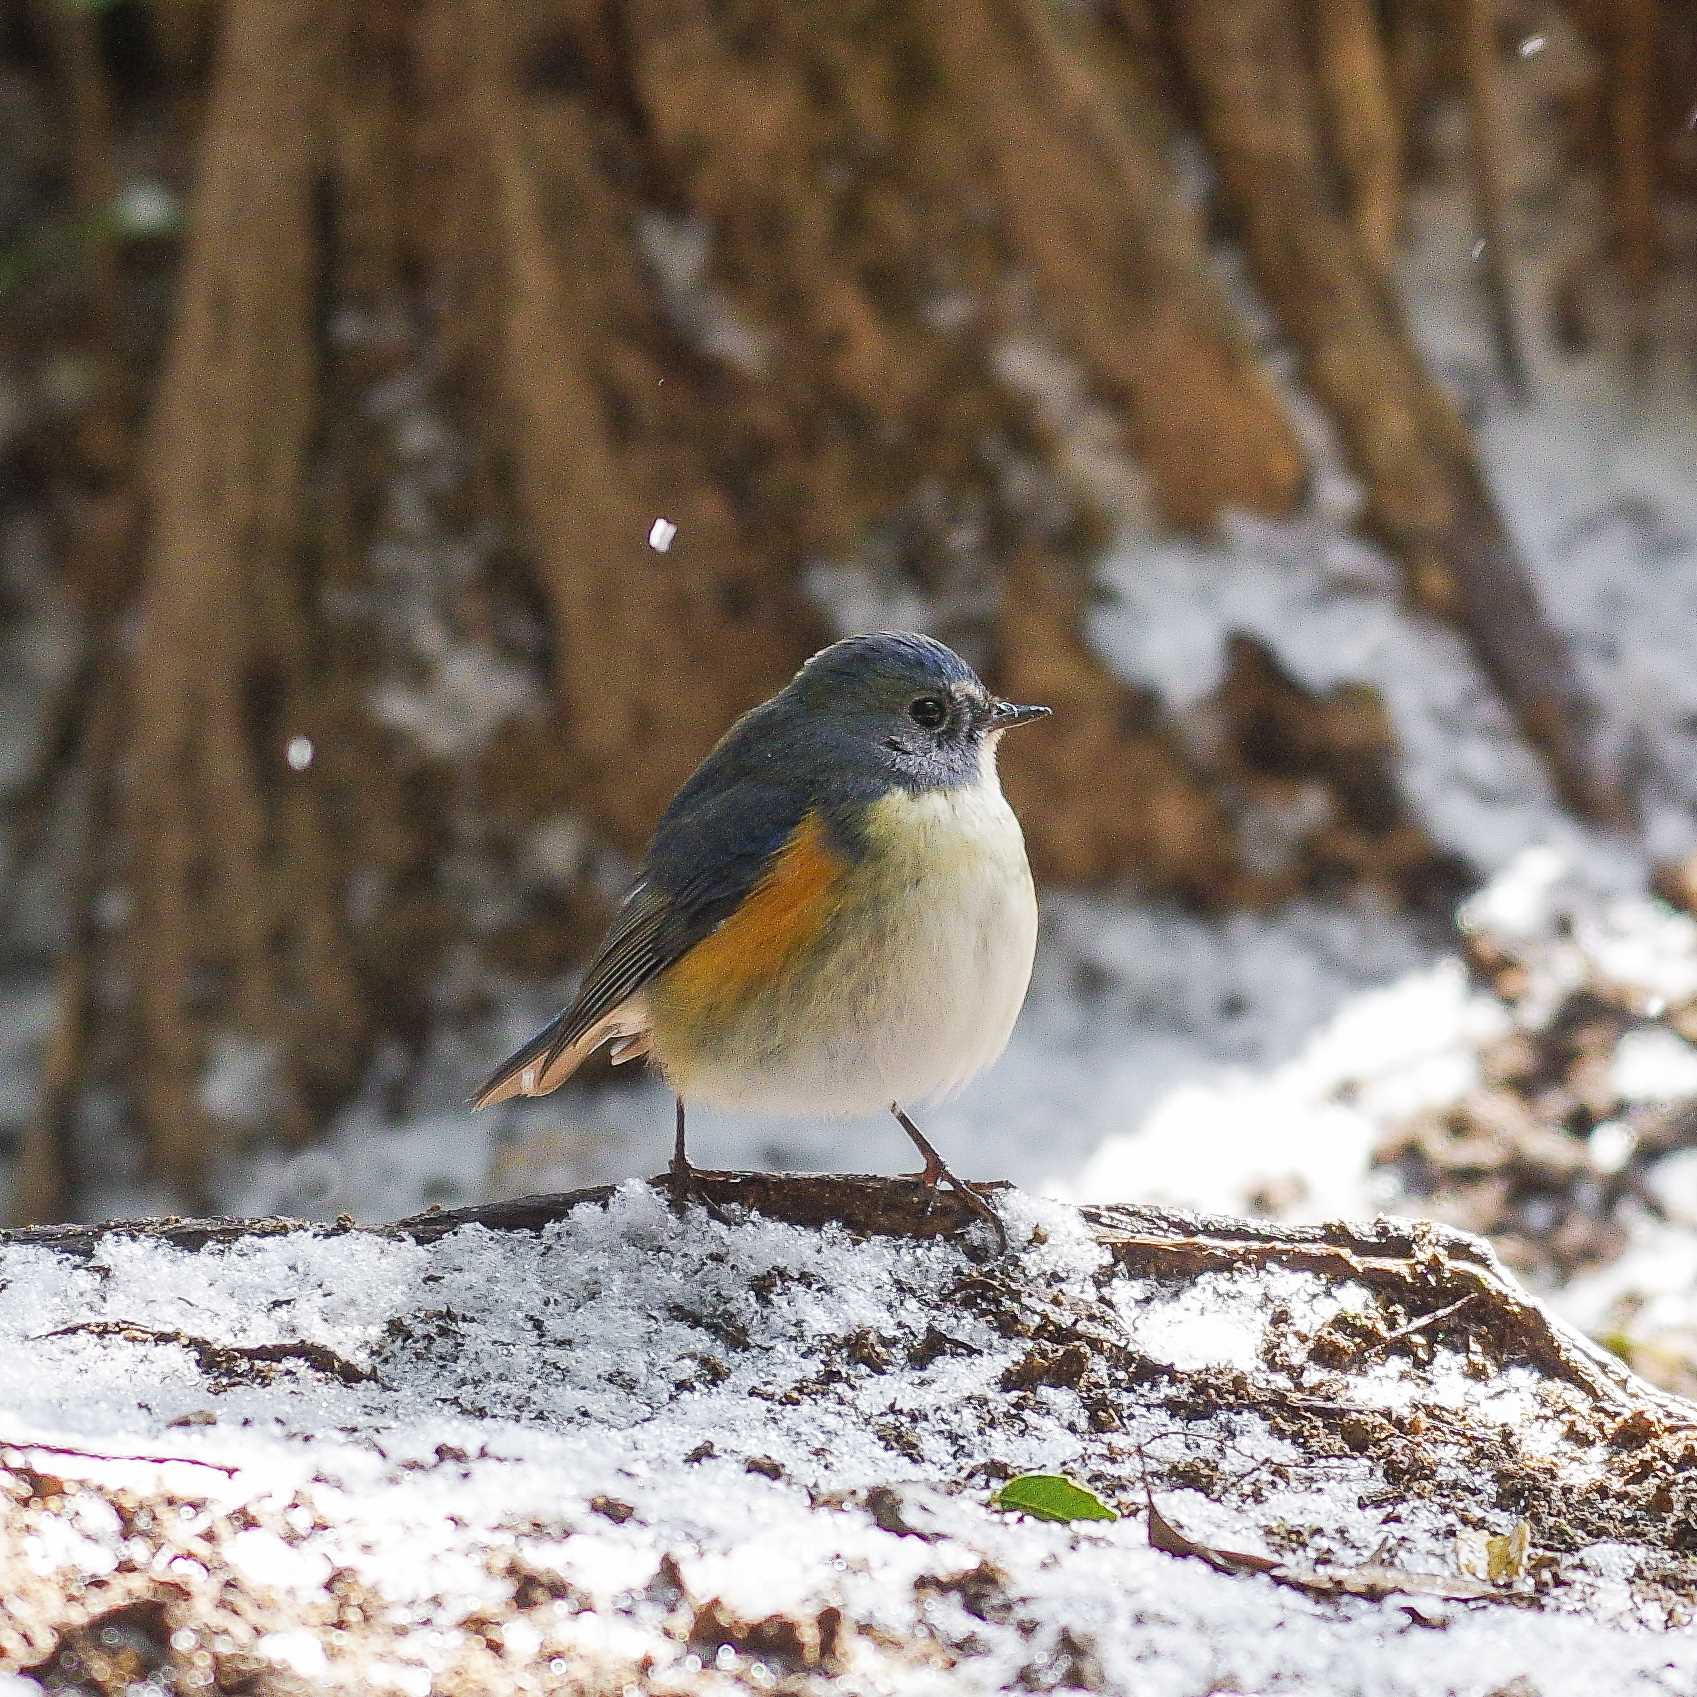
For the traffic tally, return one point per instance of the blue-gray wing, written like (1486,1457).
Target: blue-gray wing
(711,848)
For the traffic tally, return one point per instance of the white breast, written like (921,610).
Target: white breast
(961,900)
(922,978)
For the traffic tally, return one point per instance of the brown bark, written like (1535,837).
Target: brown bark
(1327,761)
(601,400)
(1476,49)
(1427,493)
(1150,812)
(1355,82)
(702,622)
(1414,38)
(853,248)
(1633,45)
(226,458)
(1120,260)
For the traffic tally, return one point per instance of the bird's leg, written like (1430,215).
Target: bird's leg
(936,1171)
(686,1187)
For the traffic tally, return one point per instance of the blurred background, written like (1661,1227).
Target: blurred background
(424,426)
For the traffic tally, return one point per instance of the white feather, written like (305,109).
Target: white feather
(920,980)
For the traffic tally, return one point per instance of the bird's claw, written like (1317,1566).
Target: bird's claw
(935,1175)
(687,1188)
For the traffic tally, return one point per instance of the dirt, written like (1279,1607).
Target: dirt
(1515,1159)
(1592,1458)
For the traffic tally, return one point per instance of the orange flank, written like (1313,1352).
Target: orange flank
(783,914)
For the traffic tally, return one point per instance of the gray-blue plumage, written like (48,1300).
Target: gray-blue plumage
(852,725)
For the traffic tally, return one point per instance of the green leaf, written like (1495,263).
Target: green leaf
(1052,1496)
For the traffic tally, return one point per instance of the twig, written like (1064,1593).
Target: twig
(226,1361)
(1476,49)
(29,1446)
(1367,1580)
(1436,1318)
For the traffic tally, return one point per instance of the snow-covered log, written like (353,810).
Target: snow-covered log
(580,1443)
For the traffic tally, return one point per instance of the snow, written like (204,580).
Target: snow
(531,1404)
(677,251)
(144,208)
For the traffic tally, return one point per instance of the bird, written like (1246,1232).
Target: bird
(835,913)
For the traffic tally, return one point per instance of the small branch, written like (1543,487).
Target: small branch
(1476,50)
(1371,1581)
(1425,1323)
(1630,80)
(228,1362)
(29,1446)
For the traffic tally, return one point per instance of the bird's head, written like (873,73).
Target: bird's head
(905,704)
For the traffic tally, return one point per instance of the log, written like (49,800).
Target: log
(477,1449)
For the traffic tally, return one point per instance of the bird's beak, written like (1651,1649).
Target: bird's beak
(1004,715)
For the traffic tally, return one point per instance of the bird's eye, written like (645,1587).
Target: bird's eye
(928,712)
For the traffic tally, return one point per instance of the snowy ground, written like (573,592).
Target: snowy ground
(704,1457)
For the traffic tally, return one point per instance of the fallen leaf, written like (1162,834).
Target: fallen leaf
(1505,1554)
(1370,1581)
(1052,1496)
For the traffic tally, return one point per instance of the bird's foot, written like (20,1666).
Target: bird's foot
(687,1188)
(937,1173)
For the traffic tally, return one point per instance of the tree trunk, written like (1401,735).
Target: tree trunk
(474,294)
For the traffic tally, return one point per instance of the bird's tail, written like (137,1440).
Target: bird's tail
(551,1057)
